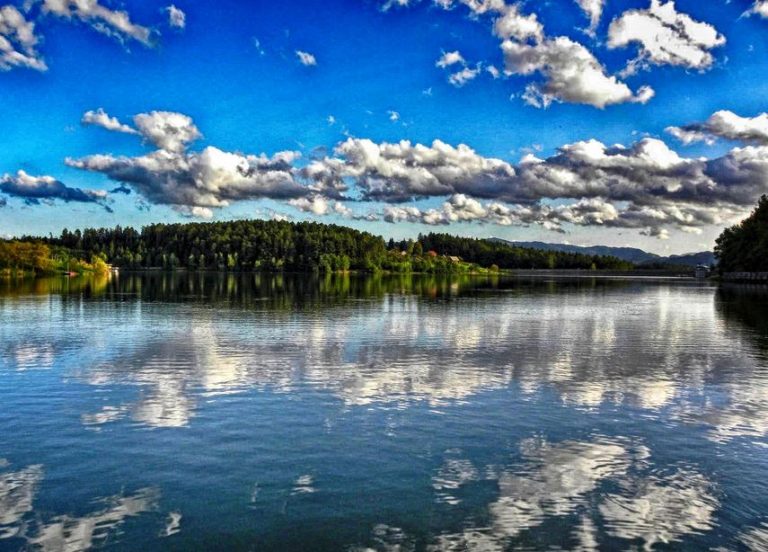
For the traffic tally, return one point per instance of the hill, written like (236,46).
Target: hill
(631,254)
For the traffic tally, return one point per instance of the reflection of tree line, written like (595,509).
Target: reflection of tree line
(88,285)
(291,291)
(746,305)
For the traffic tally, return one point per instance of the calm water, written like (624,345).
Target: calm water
(277,413)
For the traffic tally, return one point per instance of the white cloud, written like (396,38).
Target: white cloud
(167,130)
(403,170)
(176,17)
(585,212)
(593,9)
(665,36)
(461,208)
(394,116)
(113,23)
(36,189)
(210,178)
(321,206)
(725,124)
(657,187)
(18,42)
(450,58)
(194,211)
(317,205)
(760,8)
(389,4)
(646,186)
(513,25)
(570,71)
(655,232)
(207,179)
(305,58)
(103,119)
(572,74)
(460,78)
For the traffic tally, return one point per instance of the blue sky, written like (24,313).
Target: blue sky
(233,72)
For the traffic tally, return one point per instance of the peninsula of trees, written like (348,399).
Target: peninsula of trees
(249,245)
(744,247)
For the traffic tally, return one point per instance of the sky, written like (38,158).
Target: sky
(619,122)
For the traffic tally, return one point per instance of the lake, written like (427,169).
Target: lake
(258,412)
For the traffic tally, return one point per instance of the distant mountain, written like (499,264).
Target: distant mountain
(692,259)
(631,254)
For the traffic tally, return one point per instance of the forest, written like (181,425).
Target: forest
(259,245)
(33,257)
(505,256)
(744,247)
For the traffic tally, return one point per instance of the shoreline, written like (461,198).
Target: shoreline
(515,272)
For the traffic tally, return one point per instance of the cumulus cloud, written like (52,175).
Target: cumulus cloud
(727,125)
(654,185)
(317,205)
(461,208)
(210,178)
(450,58)
(194,211)
(403,171)
(593,9)
(306,59)
(389,4)
(665,37)
(321,206)
(585,212)
(571,73)
(167,130)
(101,118)
(185,180)
(760,7)
(645,186)
(34,189)
(176,17)
(113,23)
(18,41)
(645,172)
(460,78)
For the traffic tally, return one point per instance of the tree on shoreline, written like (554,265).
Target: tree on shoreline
(744,246)
(259,245)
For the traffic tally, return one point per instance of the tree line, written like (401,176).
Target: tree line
(259,245)
(507,256)
(744,247)
(33,257)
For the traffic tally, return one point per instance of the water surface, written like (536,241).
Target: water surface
(246,412)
